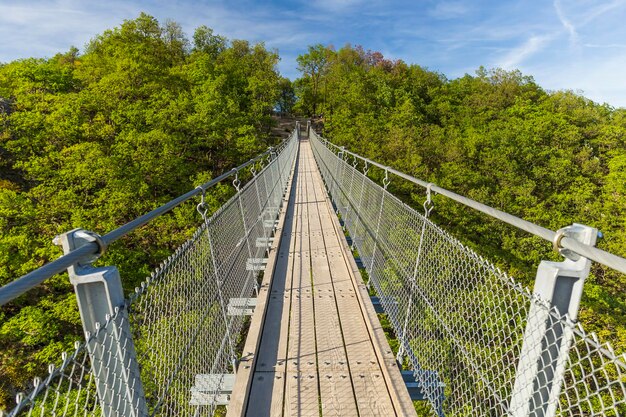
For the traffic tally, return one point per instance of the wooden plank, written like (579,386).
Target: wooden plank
(369,386)
(245,370)
(336,393)
(390,372)
(301,392)
(262,401)
(273,348)
(330,348)
(268,383)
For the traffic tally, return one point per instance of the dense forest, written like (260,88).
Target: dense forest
(93,139)
(552,158)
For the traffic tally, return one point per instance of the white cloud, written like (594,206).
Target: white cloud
(45,28)
(518,55)
(605,46)
(569,27)
(601,9)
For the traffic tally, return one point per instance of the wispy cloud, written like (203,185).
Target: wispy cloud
(450,36)
(569,27)
(602,9)
(519,54)
(449,9)
(606,46)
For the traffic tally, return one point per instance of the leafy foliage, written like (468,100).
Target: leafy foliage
(553,158)
(94,140)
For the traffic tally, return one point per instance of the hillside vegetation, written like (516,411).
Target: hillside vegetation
(94,140)
(553,158)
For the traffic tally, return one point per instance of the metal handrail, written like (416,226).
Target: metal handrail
(28,281)
(606,258)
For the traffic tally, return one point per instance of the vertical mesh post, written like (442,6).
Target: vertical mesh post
(112,351)
(548,338)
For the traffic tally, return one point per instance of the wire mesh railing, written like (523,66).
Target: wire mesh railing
(478,343)
(170,348)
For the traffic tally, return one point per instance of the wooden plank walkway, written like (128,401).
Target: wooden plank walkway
(320,351)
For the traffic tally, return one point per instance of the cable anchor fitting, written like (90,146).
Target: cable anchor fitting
(386,179)
(79,238)
(577,232)
(428,204)
(237,182)
(202,207)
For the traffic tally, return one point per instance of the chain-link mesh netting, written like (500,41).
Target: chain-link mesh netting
(478,343)
(72,387)
(185,319)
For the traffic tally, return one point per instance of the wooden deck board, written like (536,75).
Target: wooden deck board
(369,386)
(318,353)
(243,381)
(336,393)
(268,380)
(301,396)
(401,401)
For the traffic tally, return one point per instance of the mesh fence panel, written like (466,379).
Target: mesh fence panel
(185,320)
(462,322)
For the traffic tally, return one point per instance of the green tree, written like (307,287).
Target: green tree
(552,158)
(94,140)
(314,65)
(287,98)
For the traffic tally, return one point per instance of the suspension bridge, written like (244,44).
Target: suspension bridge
(271,309)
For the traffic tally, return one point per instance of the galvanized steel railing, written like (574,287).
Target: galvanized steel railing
(478,343)
(169,348)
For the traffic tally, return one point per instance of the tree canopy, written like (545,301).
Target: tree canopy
(552,158)
(95,139)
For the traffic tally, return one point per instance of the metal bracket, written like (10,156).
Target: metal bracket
(264,242)
(561,283)
(432,391)
(78,238)
(212,389)
(241,306)
(105,286)
(577,232)
(256,264)
(270,211)
(111,349)
(270,224)
(549,328)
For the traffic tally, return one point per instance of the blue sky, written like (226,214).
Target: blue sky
(578,45)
